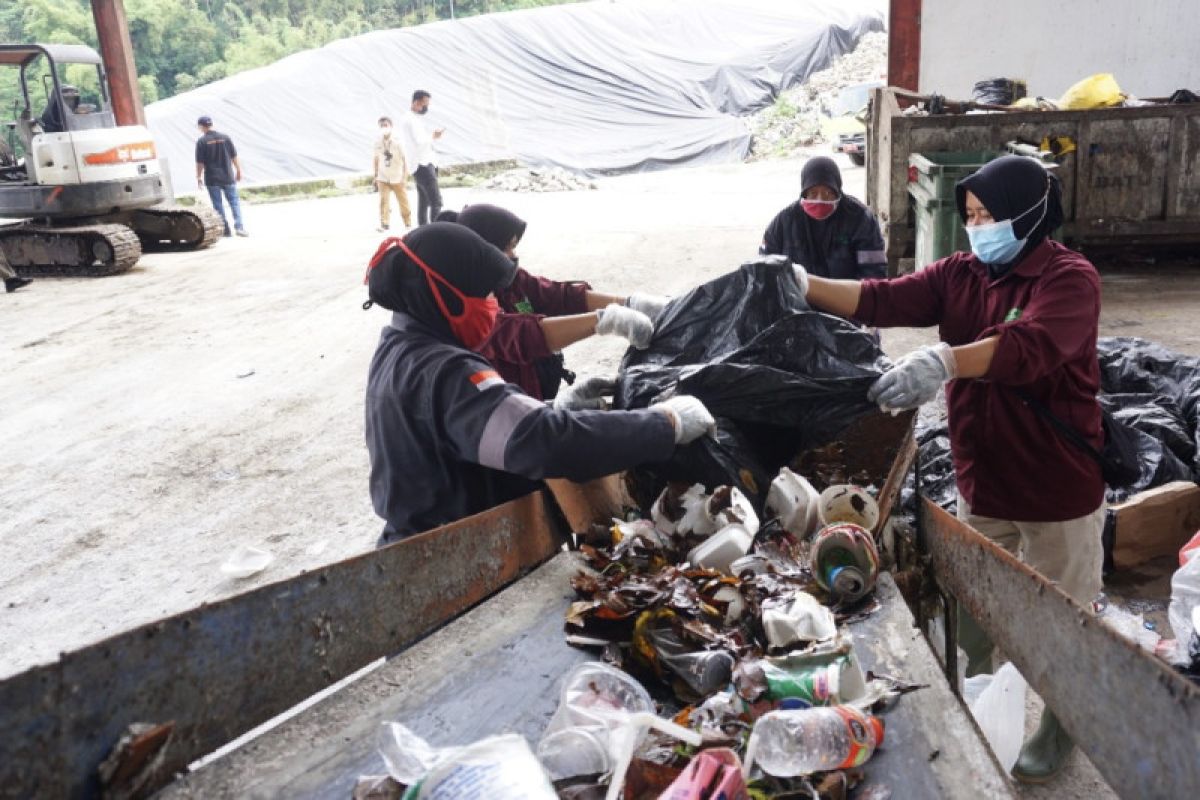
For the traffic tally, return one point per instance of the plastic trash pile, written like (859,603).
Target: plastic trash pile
(549,179)
(739,619)
(734,623)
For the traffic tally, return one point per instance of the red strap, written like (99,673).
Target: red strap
(430,274)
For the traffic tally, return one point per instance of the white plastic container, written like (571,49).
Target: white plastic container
(721,549)
(802,619)
(794,500)
(845,502)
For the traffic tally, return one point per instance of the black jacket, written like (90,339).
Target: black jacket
(847,244)
(449,438)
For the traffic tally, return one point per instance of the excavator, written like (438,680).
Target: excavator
(80,195)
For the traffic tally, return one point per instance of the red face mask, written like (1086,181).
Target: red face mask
(819,209)
(478,316)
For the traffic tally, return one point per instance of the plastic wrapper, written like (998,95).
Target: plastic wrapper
(779,377)
(1184,611)
(496,768)
(1000,712)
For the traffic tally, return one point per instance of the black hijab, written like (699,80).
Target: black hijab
(820,171)
(1008,187)
(495,224)
(458,254)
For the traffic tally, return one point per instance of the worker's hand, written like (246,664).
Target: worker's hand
(649,304)
(689,416)
(438,133)
(586,395)
(801,278)
(915,379)
(621,321)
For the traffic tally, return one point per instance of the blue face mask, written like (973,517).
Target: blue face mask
(995,242)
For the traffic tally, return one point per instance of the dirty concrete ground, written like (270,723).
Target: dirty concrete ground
(154,421)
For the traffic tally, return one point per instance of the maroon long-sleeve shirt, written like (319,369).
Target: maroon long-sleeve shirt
(517,342)
(1011,463)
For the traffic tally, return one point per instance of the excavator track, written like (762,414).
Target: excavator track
(84,251)
(175,228)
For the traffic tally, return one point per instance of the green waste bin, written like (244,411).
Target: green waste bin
(931,177)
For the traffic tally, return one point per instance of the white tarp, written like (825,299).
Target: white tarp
(600,87)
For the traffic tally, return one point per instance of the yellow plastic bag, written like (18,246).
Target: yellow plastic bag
(1095,91)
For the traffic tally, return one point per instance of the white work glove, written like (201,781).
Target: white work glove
(625,322)
(585,395)
(915,379)
(689,416)
(801,278)
(649,304)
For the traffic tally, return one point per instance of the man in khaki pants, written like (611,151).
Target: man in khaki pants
(391,174)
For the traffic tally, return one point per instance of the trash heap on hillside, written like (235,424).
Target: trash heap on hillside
(794,121)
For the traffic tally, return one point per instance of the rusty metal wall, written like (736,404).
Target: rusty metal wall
(1137,720)
(219,670)
(1133,177)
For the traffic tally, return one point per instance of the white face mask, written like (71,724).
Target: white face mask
(385,129)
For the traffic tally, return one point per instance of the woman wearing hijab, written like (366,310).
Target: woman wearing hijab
(831,234)
(541,317)
(1018,315)
(447,437)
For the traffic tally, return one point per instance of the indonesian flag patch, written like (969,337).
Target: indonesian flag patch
(486,379)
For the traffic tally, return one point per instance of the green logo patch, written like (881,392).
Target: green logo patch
(1013,315)
(524,306)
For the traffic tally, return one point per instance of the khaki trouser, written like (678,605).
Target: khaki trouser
(385,203)
(1070,553)
(6,272)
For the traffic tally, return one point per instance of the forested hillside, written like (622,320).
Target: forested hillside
(181,44)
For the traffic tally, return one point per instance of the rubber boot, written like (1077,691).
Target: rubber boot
(1046,752)
(975,643)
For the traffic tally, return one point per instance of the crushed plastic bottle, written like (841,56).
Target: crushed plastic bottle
(804,741)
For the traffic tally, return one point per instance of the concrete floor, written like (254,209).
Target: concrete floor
(155,421)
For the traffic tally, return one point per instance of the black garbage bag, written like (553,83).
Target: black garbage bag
(1155,414)
(722,315)
(1131,365)
(936,465)
(998,91)
(779,377)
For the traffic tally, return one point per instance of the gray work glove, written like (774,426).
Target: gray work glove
(915,379)
(649,304)
(625,322)
(801,278)
(689,416)
(585,395)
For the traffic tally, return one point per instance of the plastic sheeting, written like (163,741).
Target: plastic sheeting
(598,88)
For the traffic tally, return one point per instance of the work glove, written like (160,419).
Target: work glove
(649,304)
(585,395)
(915,379)
(801,278)
(689,416)
(625,322)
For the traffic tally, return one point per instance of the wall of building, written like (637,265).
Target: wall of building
(1152,48)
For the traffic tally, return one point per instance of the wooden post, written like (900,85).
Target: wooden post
(116,48)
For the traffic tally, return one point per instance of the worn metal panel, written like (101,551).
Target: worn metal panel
(1186,170)
(1124,173)
(1137,720)
(219,670)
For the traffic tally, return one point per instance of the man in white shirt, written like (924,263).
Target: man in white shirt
(418,151)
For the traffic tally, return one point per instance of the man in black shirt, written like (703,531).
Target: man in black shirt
(218,170)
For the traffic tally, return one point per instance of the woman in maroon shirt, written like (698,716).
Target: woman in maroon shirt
(1019,313)
(540,316)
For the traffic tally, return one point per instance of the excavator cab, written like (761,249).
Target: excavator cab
(90,190)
